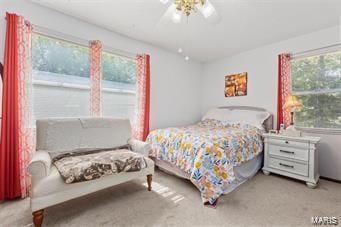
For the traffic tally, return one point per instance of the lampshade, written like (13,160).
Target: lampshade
(292,103)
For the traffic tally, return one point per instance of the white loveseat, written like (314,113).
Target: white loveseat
(53,135)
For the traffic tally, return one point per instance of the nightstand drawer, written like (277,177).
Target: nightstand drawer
(291,167)
(289,152)
(289,143)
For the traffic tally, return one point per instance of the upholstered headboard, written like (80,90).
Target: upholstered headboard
(268,123)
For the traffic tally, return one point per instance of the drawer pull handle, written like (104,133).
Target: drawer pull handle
(287,142)
(288,152)
(285,165)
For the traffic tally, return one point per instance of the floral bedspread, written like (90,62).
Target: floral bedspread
(208,151)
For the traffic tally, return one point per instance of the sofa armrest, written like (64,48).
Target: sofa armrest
(40,165)
(140,146)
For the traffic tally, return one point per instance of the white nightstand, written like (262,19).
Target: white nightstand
(294,157)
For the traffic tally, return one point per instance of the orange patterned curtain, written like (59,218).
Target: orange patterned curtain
(95,78)
(284,88)
(141,128)
(26,130)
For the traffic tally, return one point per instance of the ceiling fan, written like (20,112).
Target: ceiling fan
(180,8)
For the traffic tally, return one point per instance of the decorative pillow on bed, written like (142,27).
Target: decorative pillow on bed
(255,118)
(251,117)
(217,114)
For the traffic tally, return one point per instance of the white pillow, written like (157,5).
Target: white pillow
(217,114)
(255,118)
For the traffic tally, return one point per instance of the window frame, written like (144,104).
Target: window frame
(85,43)
(311,53)
(122,54)
(64,38)
(81,42)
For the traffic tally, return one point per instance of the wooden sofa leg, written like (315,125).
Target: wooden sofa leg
(149,181)
(38,217)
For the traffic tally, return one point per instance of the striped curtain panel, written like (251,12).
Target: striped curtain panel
(284,88)
(95,77)
(141,126)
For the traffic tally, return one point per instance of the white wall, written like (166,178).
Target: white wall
(175,83)
(179,93)
(261,66)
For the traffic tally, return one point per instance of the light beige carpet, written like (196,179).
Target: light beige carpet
(262,201)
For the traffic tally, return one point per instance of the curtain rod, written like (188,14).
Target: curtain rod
(60,36)
(121,53)
(79,41)
(69,38)
(312,51)
(28,23)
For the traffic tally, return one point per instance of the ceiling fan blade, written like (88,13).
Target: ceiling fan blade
(215,18)
(171,15)
(164,1)
(209,12)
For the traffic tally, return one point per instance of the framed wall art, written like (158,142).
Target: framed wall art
(236,85)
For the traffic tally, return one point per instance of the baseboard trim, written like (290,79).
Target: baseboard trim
(331,179)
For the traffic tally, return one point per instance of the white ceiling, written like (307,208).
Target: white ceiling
(244,24)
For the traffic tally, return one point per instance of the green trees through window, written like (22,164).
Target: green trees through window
(62,57)
(57,56)
(61,80)
(118,69)
(317,83)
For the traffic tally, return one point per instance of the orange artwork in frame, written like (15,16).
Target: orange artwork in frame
(236,85)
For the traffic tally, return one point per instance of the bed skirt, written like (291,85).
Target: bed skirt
(242,173)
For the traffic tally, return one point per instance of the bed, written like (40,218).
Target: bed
(217,154)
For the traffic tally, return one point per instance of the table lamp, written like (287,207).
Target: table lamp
(292,104)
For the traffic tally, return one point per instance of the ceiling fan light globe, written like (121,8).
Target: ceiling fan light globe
(207,10)
(176,17)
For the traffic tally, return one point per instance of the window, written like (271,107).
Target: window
(61,83)
(61,80)
(118,86)
(317,83)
